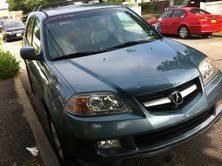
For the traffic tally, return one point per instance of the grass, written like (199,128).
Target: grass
(9,66)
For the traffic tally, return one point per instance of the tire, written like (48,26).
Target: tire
(183,32)
(56,141)
(206,35)
(64,159)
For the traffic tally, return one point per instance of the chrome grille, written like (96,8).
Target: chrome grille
(162,101)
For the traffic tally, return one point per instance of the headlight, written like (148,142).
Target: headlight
(95,104)
(208,70)
(8,33)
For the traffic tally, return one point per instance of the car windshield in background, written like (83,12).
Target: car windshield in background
(199,11)
(166,14)
(84,33)
(11,24)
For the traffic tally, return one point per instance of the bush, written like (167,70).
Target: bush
(114,1)
(9,66)
(150,6)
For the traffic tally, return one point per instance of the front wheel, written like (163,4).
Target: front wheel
(56,142)
(184,32)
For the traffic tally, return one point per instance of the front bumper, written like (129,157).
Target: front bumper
(14,36)
(138,136)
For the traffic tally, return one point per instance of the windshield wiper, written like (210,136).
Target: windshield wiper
(130,43)
(80,54)
(74,55)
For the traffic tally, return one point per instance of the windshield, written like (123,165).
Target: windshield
(11,24)
(95,31)
(166,14)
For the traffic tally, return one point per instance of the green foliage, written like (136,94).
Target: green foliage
(9,66)
(178,2)
(115,1)
(28,5)
(151,6)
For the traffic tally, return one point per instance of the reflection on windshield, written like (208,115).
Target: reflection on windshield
(182,60)
(94,31)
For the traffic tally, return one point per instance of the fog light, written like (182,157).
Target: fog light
(113,143)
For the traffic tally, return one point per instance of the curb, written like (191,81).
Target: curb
(48,155)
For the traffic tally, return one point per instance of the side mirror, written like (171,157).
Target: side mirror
(28,53)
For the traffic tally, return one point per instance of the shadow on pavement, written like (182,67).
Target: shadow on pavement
(194,37)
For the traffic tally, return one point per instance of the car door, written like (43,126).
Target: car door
(35,67)
(176,19)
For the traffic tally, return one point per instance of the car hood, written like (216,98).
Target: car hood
(135,70)
(14,29)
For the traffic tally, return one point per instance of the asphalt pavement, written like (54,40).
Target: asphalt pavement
(204,150)
(15,133)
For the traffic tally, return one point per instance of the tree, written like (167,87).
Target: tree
(27,5)
(17,5)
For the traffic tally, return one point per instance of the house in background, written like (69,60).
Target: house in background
(214,7)
(12,14)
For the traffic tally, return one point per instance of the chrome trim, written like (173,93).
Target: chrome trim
(166,100)
(161,101)
(189,90)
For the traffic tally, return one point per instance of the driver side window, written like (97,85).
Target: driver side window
(29,32)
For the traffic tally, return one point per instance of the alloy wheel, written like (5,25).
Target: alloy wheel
(183,32)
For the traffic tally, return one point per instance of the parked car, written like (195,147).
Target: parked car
(112,87)
(188,21)
(2,19)
(189,3)
(12,29)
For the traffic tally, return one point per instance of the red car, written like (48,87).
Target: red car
(188,21)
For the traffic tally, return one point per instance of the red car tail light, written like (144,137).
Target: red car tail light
(202,20)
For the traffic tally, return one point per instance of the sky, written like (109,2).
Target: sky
(3,4)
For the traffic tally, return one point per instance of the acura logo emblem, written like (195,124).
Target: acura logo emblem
(177,98)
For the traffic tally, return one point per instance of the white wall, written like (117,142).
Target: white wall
(212,7)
